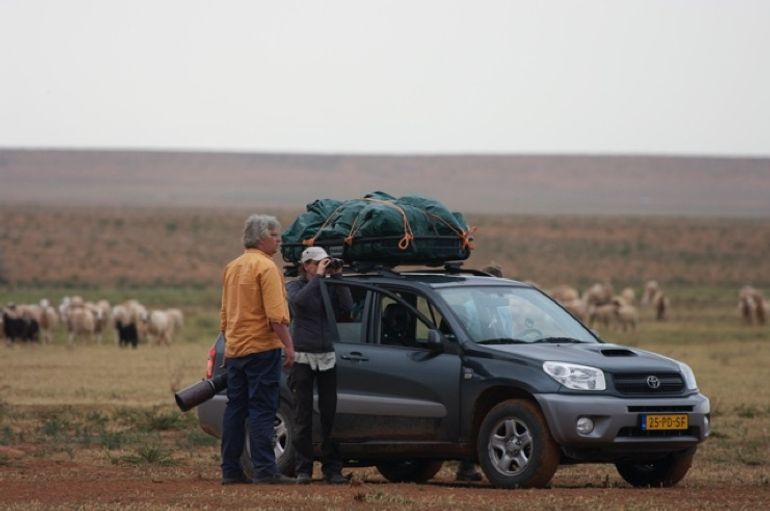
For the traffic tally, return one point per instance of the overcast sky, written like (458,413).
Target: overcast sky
(687,77)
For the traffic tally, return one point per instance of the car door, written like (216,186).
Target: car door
(392,384)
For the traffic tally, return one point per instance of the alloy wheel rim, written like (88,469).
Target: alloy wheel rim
(510,446)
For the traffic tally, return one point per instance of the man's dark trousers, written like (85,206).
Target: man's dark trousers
(252,392)
(303,377)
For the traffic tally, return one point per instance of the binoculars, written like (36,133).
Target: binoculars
(197,393)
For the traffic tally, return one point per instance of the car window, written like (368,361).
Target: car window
(350,324)
(399,326)
(512,314)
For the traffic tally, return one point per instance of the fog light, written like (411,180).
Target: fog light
(585,425)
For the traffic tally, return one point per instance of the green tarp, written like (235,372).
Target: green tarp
(380,228)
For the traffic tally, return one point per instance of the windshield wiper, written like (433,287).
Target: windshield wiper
(502,340)
(559,340)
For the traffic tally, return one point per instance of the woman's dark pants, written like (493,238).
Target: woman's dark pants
(303,378)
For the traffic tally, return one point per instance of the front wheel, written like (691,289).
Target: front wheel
(664,472)
(515,447)
(414,471)
(283,430)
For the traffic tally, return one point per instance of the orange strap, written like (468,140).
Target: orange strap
(465,236)
(311,241)
(403,243)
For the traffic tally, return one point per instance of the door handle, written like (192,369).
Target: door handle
(355,356)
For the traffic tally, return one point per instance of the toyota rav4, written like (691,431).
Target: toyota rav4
(460,365)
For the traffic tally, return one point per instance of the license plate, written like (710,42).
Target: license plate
(664,422)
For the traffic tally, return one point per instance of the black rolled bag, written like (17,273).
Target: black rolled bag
(381,229)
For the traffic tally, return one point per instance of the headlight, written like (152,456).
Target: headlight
(689,376)
(576,377)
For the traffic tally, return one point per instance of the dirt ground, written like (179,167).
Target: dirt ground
(28,482)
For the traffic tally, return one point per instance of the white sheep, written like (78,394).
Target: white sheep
(161,327)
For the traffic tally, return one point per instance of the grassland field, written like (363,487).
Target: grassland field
(95,405)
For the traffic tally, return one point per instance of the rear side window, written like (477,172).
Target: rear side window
(351,326)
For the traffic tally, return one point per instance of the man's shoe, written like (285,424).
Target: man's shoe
(303,478)
(235,480)
(336,478)
(469,476)
(275,479)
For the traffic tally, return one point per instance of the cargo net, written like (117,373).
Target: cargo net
(380,228)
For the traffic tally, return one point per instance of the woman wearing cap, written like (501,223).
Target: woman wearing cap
(315,363)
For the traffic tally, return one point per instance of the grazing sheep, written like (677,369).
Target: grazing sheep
(80,323)
(125,328)
(139,316)
(564,294)
(626,314)
(598,294)
(161,327)
(178,318)
(48,320)
(651,287)
(101,311)
(13,324)
(629,295)
(752,305)
(660,303)
(604,314)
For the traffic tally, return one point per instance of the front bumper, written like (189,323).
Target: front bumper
(616,431)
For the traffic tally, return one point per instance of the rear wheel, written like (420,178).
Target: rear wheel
(413,471)
(283,448)
(515,447)
(664,472)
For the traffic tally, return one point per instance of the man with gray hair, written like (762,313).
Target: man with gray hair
(254,320)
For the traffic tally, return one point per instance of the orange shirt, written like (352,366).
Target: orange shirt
(253,296)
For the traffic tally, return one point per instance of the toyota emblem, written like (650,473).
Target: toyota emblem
(653,382)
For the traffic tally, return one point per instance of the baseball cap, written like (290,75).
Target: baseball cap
(313,254)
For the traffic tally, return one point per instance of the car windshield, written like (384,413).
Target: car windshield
(512,315)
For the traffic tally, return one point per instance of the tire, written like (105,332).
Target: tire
(664,472)
(284,447)
(413,471)
(515,447)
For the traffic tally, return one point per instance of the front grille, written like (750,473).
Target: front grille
(636,383)
(634,432)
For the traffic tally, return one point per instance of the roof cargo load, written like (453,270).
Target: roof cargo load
(380,228)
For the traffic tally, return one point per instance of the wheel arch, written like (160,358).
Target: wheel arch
(488,399)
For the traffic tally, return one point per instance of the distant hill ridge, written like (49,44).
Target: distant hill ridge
(504,184)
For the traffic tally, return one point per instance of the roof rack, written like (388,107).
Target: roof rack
(449,267)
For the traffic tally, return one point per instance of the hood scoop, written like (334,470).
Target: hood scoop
(618,352)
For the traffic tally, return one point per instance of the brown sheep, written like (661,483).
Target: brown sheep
(604,314)
(48,320)
(80,323)
(598,294)
(752,305)
(626,314)
(660,303)
(564,294)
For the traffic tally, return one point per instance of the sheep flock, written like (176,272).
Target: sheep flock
(89,322)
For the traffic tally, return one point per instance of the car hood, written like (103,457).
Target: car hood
(608,357)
